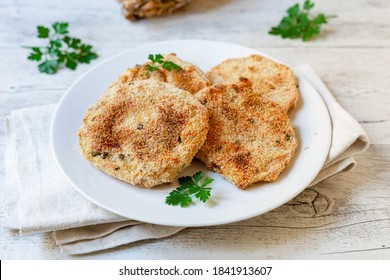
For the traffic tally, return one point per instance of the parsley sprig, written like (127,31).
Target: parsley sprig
(159,62)
(298,23)
(60,50)
(190,186)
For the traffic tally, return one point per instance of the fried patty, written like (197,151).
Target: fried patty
(189,77)
(270,79)
(250,138)
(144,133)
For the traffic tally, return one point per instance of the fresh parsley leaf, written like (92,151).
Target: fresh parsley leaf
(86,54)
(55,43)
(61,49)
(206,182)
(151,68)
(298,23)
(169,65)
(293,10)
(203,194)
(186,182)
(36,54)
(159,62)
(198,176)
(60,27)
(308,5)
(158,58)
(43,32)
(179,197)
(73,43)
(48,66)
(71,63)
(190,186)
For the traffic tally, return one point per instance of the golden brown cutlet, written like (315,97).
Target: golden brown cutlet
(250,138)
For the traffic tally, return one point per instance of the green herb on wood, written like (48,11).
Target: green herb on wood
(61,49)
(298,23)
(159,62)
(189,186)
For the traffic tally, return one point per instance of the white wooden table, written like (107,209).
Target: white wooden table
(345,217)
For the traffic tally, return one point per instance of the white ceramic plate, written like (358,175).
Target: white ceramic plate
(227,204)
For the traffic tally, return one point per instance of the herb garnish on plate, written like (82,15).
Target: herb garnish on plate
(190,186)
(159,62)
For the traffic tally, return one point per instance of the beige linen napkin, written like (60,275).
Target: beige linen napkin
(38,198)
(348,136)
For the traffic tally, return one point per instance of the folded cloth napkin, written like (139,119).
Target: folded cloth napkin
(38,198)
(348,136)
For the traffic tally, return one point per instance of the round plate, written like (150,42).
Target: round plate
(227,204)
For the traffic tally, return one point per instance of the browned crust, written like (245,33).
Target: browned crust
(270,79)
(189,77)
(145,133)
(250,138)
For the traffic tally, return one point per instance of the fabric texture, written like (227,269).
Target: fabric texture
(348,136)
(38,197)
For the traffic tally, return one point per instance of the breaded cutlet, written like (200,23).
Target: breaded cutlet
(250,138)
(269,79)
(144,133)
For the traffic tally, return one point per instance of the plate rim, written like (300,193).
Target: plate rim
(241,218)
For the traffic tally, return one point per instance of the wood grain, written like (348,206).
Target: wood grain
(345,217)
